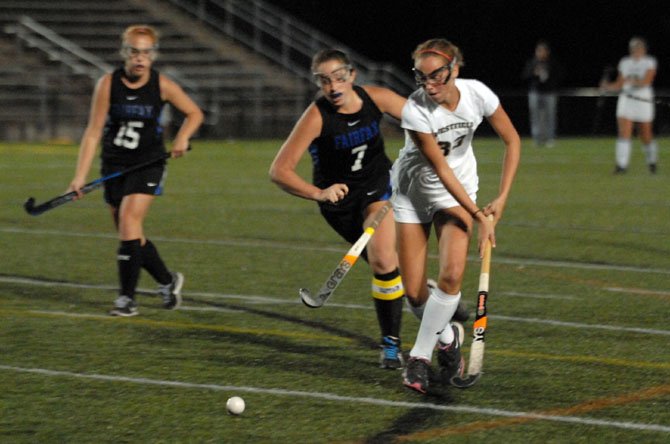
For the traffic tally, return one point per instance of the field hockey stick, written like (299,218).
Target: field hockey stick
(479,328)
(345,264)
(654,101)
(36,210)
(600,103)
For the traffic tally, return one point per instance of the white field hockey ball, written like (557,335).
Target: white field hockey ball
(235,405)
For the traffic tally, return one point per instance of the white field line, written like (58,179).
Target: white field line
(344,399)
(291,246)
(536,295)
(638,291)
(252,299)
(646,331)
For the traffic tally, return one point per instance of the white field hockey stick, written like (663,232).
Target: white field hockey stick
(345,264)
(476,361)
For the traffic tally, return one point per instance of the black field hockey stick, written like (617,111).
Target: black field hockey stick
(476,360)
(36,210)
(654,101)
(345,264)
(608,72)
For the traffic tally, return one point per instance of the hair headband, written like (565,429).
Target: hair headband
(438,52)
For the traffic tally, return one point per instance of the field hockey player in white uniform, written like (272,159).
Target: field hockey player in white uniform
(435,183)
(635,104)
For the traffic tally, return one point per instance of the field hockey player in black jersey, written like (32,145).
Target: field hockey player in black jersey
(125,115)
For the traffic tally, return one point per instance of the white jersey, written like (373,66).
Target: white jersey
(628,107)
(636,69)
(414,179)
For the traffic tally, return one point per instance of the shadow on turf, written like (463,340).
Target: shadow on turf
(324,360)
(357,369)
(362,340)
(413,421)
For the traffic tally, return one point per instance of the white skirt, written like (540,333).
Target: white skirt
(418,193)
(634,109)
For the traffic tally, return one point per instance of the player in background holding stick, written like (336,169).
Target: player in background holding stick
(435,183)
(125,113)
(635,104)
(341,130)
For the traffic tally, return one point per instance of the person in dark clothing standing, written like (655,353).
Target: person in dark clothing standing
(125,114)
(544,76)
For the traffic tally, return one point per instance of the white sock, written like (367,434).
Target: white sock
(651,152)
(439,309)
(623,147)
(447,336)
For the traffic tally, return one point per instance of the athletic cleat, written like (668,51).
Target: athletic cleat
(171,293)
(619,170)
(461,314)
(449,356)
(416,374)
(652,168)
(124,306)
(391,354)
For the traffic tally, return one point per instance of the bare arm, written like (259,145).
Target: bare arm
(647,80)
(386,100)
(502,125)
(173,93)
(283,168)
(616,85)
(432,151)
(93,133)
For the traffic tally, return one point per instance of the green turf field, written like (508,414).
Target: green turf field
(578,345)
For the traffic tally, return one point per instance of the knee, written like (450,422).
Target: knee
(450,280)
(382,261)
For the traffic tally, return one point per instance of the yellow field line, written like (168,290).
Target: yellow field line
(180,325)
(585,407)
(336,339)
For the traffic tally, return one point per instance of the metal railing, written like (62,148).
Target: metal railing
(284,40)
(58,48)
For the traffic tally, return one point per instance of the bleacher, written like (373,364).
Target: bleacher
(46,90)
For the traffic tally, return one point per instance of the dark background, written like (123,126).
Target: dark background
(496,36)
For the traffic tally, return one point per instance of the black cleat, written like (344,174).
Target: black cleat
(449,356)
(416,374)
(391,354)
(124,306)
(171,293)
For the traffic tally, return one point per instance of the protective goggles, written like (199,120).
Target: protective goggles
(434,78)
(338,75)
(130,52)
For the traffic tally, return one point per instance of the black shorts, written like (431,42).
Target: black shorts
(347,217)
(149,180)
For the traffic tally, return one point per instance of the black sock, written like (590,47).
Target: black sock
(129,260)
(389,308)
(152,262)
